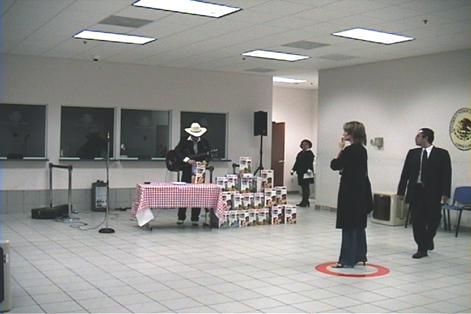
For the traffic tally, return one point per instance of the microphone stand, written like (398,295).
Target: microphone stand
(107,229)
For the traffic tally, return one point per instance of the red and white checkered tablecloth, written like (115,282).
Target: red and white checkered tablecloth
(174,195)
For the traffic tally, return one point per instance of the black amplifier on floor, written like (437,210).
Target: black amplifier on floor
(61,211)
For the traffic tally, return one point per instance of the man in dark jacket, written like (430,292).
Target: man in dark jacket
(190,150)
(427,178)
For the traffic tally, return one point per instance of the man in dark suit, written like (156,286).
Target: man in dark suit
(427,177)
(190,150)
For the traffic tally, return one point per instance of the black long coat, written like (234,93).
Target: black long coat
(304,162)
(355,197)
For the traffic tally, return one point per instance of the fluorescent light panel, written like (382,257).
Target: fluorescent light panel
(279,79)
(188,6)
(113,37)
(274,55)
(373,36)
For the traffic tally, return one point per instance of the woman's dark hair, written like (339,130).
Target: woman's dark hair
(306,141)
(357,131)
(428,133)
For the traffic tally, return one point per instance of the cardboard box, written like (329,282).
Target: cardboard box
(275,214)
(245,164)
(245,182)
(258,200)
(248,200)
(263,216)
(223,183)
(267,178)
(227,199)
(225,223)
(234,219)
(232,182)
(198,173)
(253,217)
(270,198)
(290,214)
(281,195)
(237,201)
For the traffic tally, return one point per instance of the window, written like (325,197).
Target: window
(86,132)
(145,134)
(23,131)
(216,123)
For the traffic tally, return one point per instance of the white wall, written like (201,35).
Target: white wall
(393,99)
(56,82)
(298,109)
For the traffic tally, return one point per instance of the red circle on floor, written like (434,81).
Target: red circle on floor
(369,270)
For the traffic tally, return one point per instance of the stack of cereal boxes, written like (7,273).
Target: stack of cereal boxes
(252,200)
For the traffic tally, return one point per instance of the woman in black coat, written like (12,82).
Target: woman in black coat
(355,197)
(304,165)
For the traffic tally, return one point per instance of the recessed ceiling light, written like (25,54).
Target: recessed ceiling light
(373,36)
(188,6)
(274,55)
(113,37)
(279,79)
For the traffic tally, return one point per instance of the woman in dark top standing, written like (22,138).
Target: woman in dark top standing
(355,197)
(304,165)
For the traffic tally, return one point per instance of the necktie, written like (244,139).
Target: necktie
(424,161)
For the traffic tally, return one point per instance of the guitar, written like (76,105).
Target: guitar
(174,165)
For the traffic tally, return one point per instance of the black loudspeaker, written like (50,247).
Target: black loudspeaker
(260,126)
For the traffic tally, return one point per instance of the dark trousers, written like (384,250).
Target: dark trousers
(353,249)
(305,192)
(195,211)
(426,215)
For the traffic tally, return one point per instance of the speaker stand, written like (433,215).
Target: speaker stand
(260,166)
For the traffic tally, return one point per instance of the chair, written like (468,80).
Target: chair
(461,201)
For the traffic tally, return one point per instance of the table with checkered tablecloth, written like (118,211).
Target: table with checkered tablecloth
(175,195)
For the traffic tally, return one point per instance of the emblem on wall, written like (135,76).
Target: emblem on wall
(460,129)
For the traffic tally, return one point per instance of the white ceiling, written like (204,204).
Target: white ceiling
(45,28)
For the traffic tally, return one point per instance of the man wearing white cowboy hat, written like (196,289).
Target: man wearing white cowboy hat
(190,150)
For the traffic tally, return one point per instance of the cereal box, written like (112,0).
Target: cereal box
(246,182)
(253,216)
(275,213)
(198,173)
(237,201)
(245,164)
(227,200)
(281,194)
(290,214)
(223,183)
(232,182)
(263,216)
(258,200)
(248,200)
(270,198)
(267,177)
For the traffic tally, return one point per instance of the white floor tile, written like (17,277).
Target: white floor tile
(262,269)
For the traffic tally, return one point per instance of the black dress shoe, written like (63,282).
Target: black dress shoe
(419,254)
(431,246)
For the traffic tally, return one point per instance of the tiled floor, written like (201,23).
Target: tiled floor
(61,267)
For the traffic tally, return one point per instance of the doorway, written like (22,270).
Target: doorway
(278,152)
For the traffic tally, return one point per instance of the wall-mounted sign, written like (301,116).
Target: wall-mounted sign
(460,129)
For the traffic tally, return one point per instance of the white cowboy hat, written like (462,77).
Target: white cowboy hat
(196,130)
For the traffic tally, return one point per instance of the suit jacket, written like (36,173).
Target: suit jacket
(436,176)
(354,199)
(185,149)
